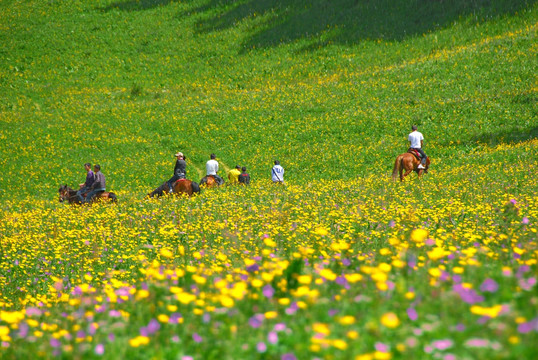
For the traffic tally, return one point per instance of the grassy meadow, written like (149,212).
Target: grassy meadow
(339,263)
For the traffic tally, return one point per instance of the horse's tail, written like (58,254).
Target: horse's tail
(195,187)
(397,167)
(113,197)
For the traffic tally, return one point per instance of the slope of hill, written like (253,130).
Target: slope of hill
(329,88)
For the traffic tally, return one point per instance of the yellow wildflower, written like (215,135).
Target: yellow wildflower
(390,320)
(492,312)
(347,320)
(166,252)
(419,235)
(321,328)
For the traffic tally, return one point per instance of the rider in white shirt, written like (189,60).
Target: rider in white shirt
(277,173)
(211,167)
(416,141)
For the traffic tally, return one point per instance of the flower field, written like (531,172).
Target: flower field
(340,262)
(360,269)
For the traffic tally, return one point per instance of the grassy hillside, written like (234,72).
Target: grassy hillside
(341,262)
(329,88)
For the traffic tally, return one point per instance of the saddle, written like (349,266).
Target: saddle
(415,153)
(183,179)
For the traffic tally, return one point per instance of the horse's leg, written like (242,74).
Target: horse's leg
(158,192)
(110,196)
(416,163)
(188,189)
(408,165)
(407,172)
(183,188)
(176,188)
(153,193)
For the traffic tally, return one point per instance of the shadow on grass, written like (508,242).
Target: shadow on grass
(135,5)
(344,21)
(514,135)
(330,21)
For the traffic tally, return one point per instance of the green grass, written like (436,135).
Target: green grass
(127,84)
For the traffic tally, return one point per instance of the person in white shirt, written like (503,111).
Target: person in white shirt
(212,167)
(277,173)
(416,141)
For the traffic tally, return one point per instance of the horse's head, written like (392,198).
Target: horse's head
(64,193)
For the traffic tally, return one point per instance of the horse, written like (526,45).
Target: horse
(408,162)
(66,193)
(182,186)
(209,181)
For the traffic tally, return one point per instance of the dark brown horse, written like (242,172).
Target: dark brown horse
(182,186)
(408,162)
(70,195)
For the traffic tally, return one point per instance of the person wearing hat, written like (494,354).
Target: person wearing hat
(244,177)
(180,171)
(233,175)
(416,141)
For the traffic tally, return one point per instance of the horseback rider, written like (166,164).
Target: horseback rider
(277,173)
(98,186)
(85,187)
(180,171)
(416,142)
(212,166)
(233,175)
(244,177)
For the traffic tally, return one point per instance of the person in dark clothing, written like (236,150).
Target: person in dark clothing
(180,171)
(244,178)
(99,185)
(86,186)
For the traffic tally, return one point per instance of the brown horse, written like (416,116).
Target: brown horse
(408,162)
(66,193)
(182,186)
(209,181)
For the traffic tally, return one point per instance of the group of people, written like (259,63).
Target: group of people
(94,185)
(95,180)
(237,175)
